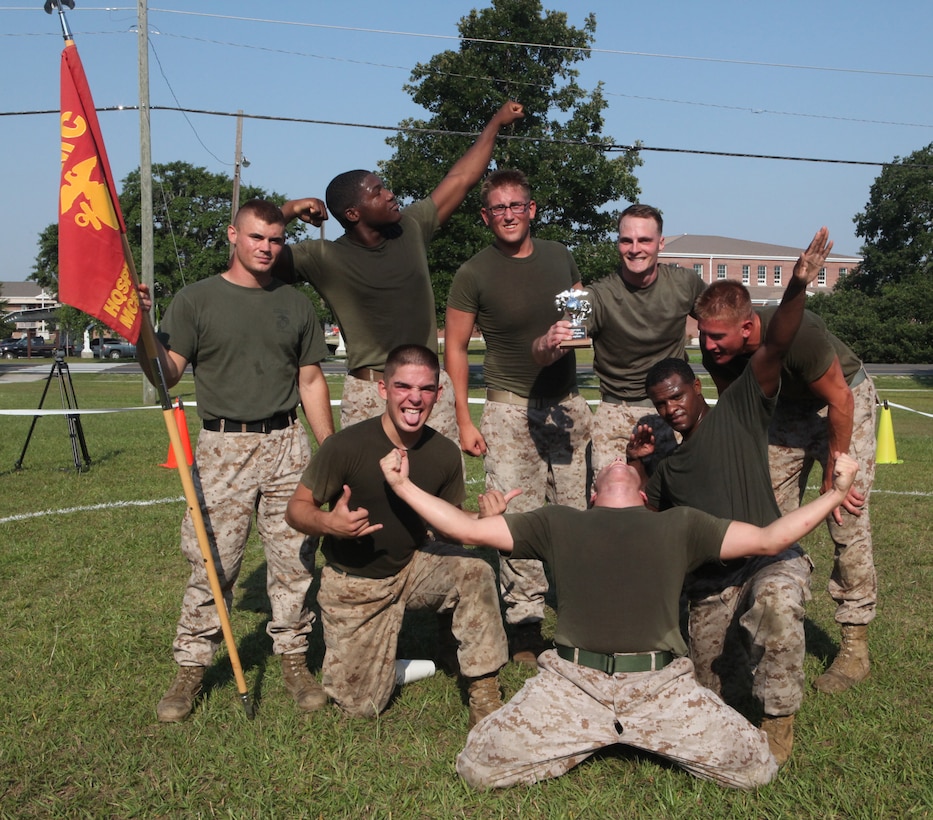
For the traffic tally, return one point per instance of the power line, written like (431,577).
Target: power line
(608,147)
(515,82)
(590,50)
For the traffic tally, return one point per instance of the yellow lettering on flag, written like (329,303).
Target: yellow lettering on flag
(93,274)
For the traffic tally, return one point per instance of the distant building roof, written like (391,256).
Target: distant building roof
(21,290)
(723,246)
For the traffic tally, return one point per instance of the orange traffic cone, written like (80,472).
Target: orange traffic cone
(182,424)
(886,452)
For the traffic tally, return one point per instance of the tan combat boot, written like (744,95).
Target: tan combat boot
(484,697)
(178,701)
(780,732)
(301,684)
(851,664)
(527,643)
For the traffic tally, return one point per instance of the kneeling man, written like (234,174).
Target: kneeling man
(619,671)
(381,560)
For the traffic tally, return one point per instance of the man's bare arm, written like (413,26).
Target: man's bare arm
(456,524)
(746,539)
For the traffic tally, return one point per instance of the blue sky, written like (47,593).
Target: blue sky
(830,80)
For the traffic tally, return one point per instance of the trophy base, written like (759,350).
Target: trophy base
(575,343)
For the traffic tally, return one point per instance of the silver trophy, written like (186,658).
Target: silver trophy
(575,309)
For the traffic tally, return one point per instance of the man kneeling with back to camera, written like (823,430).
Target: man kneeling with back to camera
(618,673)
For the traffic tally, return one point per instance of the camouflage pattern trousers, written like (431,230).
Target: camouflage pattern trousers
(544,451)
(567,712)
(798,439)
(613,425)
(361,401)
(747,635)
(237,475)
(362,618)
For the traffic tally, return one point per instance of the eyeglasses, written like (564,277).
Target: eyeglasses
(517,208)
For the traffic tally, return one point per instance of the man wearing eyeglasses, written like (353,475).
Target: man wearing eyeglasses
(535,425)
(638,318)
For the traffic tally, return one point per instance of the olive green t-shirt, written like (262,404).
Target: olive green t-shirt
(245,345)
(381,296)
(633,328)
(618,572)
(513,300)
(352,457)
(809,357)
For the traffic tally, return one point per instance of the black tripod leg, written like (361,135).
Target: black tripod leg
(75,429)
(48,382)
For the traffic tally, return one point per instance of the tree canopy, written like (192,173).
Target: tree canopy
(191,211)
(515,50)
(884,310)
(897,224)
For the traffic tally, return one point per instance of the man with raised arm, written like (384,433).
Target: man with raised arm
(826,404)
(745,617)
(619,672)
(375,277)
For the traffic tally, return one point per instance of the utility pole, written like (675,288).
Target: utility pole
(238,161)
(147,269)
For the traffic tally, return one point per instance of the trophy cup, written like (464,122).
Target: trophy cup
(575,308)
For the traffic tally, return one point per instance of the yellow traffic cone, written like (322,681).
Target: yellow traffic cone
(886,452)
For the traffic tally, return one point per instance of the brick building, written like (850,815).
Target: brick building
(761,267)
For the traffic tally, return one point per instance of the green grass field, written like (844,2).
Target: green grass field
(92,580)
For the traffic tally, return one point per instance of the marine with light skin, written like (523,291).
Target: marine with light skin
(827,405)
(571,708)
(722,468)
(638,318)
(535,427)
(380,562)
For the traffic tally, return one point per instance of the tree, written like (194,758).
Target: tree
(884,310)
(897,224)
(191,210)
(527,54)
(6,327)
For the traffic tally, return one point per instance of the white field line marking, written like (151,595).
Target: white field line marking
(108,506)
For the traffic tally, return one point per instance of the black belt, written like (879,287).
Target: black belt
(277,422)
(531,402)
(620,662)
(367,374)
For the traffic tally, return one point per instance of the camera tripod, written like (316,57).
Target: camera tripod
(69,402)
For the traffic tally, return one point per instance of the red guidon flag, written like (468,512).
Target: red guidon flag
(93,275)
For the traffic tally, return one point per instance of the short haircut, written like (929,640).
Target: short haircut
(343,193)
(411,354)
(502,178)
(262,209)
(724,301)
(641,211)
(666,368)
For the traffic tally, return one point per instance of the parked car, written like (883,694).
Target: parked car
(112,348)
(37,347)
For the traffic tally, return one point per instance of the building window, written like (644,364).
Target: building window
(762,274)
(821,278)
(843,272)
(698,270)
(777,276)
(746,274)
(720,271)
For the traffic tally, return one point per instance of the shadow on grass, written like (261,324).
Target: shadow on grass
(820,644)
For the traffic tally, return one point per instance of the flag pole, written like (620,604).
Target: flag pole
(152,364)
